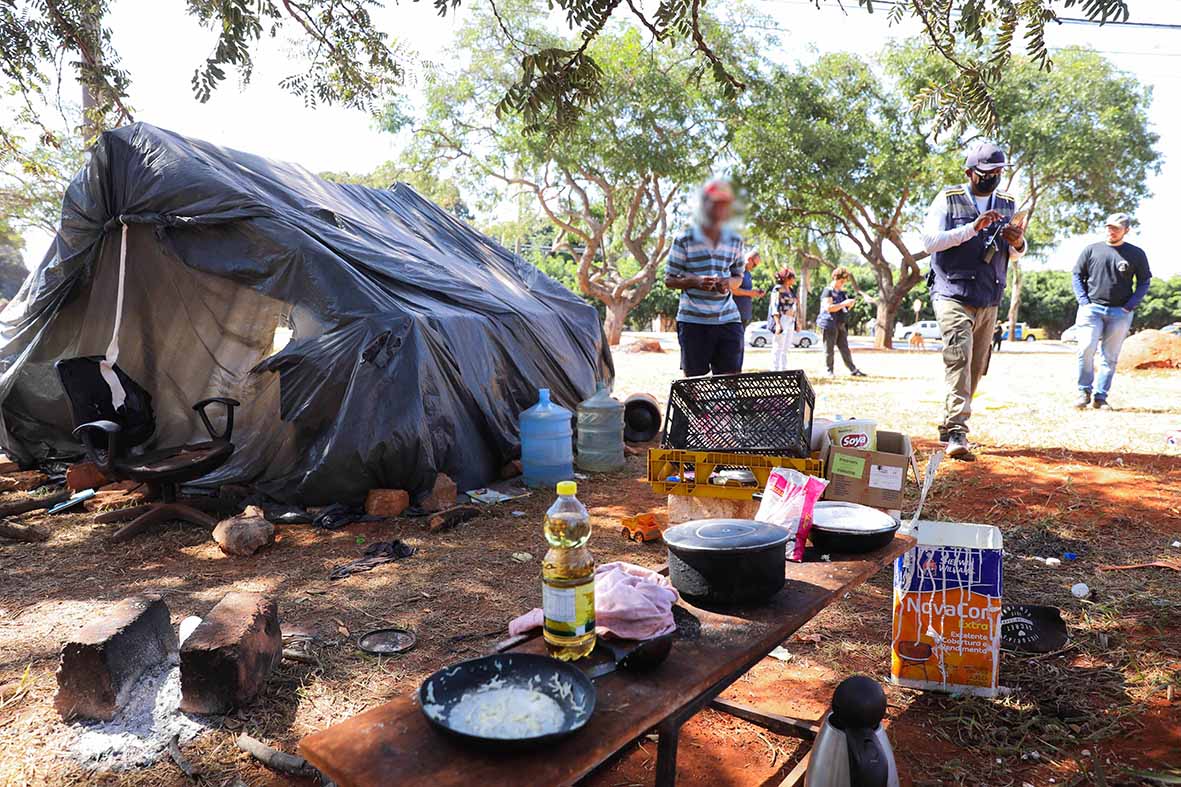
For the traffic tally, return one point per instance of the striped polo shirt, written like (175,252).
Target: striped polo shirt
(692,254)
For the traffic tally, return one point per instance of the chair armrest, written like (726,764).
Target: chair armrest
(87,434)
(229,404)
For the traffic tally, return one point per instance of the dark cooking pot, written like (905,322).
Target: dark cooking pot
(850,528)
(726,561)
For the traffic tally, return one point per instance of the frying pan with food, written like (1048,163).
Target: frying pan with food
(493,700)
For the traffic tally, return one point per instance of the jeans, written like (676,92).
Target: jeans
(779,344)
(967,347)
(1102,328)
(836,335)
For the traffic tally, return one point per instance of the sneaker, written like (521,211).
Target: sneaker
(957,446)
(831,373)
(1100,404)
(857,373)
(1084,399)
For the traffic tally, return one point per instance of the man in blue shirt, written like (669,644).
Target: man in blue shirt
(706,263)
(1102,283)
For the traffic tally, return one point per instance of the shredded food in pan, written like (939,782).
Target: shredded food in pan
(497,710)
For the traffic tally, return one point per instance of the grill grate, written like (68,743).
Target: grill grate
(762,412)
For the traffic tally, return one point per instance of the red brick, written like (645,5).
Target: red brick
(101,663)
(442,496)
(121,494)
(8,466)
(225,662)
(386,502)
(85,475)
(23,481)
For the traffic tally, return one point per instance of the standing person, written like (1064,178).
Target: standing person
(706,264)
(835,304)
(1102,282)
(997,336)
(784,312)
(971,236)
(745,293)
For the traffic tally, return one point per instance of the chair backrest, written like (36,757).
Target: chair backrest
(90,399)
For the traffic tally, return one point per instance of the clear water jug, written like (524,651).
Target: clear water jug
(600,433)
(547,443)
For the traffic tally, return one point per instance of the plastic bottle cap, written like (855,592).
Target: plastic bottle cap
(567,488)
(543,395)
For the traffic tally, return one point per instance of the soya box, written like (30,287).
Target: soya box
(873,478)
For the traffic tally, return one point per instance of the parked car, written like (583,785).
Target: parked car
(757,335)
(928,329)
(1024,333)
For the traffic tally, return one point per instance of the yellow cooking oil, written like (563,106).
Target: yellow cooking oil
(568,578)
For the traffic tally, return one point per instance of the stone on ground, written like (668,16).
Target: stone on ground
(643,346)
(225,662)
(101,663)
(244,534)
(85,475)
(442,496)
(7,466)
(122,494)
(23,481)
(1151,350)
(386,502)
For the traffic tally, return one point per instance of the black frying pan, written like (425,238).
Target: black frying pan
(439,693)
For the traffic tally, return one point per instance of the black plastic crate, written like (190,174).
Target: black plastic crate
(758,413)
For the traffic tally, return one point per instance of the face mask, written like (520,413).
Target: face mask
(986,184)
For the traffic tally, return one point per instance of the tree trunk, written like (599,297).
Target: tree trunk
(887,315)
(617,311)
(1015,300)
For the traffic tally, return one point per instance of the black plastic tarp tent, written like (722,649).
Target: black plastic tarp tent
(373,339)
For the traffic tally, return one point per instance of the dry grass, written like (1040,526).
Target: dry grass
(1053,479)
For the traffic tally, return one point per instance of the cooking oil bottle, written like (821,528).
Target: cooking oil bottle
(568,578)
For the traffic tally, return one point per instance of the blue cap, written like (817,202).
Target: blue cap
(986,156)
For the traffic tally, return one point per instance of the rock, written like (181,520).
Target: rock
(386,502)
(511,470)
(102,662)
(643,346)
(442,496)
(7,466)
(23,481)
(225,662)
(244,534)
(1150,350)
(85,475)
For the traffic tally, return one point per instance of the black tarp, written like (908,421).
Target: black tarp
(415,341)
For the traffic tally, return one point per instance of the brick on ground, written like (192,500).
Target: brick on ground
(122,494)
(85,475)
(23,481)
(7,466)
(101,663)
(225,662)
(386,502)
(442,496)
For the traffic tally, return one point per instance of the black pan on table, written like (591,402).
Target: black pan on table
(443,690)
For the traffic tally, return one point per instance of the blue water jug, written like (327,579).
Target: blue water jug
(547,443)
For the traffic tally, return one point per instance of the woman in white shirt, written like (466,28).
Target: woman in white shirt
(784,309)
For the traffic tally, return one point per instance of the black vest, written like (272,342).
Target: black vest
(960,273)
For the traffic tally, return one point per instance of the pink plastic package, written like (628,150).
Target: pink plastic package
(787,502)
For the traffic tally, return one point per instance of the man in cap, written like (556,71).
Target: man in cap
(970,233)
(706,264)
(1103,284)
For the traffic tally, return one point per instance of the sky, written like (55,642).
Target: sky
(161,45)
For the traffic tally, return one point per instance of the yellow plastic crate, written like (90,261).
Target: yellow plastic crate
(665,462)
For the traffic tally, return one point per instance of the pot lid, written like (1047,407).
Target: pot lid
(724,535)
(840,517)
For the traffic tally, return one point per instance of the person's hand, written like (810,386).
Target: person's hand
(986,219)
(849,304)
(759,293)
(1014,234)
(707,283)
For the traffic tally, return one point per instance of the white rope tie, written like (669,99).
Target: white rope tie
(107,365)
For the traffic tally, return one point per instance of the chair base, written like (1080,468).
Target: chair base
(145,516)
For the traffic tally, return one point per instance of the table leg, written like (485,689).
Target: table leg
(666,752)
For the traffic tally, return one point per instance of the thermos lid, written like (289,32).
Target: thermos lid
(858,704)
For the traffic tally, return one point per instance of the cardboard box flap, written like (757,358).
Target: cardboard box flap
(958,534)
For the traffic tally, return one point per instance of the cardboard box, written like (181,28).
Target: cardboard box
(947,610)
(872,478)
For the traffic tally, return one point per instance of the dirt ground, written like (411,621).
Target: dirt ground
(1097,484)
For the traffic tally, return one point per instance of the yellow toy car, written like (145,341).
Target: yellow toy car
(642,528)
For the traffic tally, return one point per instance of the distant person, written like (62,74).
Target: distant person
(706,263)
(835,304)
(1102,279)
(745,293)
(970,233)
(998,336)
(784,317)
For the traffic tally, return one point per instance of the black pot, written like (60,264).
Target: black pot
(837,542)
(726,561)
(850,528)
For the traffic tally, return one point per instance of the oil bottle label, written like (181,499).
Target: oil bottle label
(569,612)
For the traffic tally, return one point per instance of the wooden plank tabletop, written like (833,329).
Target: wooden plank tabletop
(394,744)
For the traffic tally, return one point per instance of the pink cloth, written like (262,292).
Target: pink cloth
(631,602)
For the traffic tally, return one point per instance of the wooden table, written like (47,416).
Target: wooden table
(394,744)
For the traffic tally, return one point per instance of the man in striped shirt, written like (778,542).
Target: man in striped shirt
(706,264)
